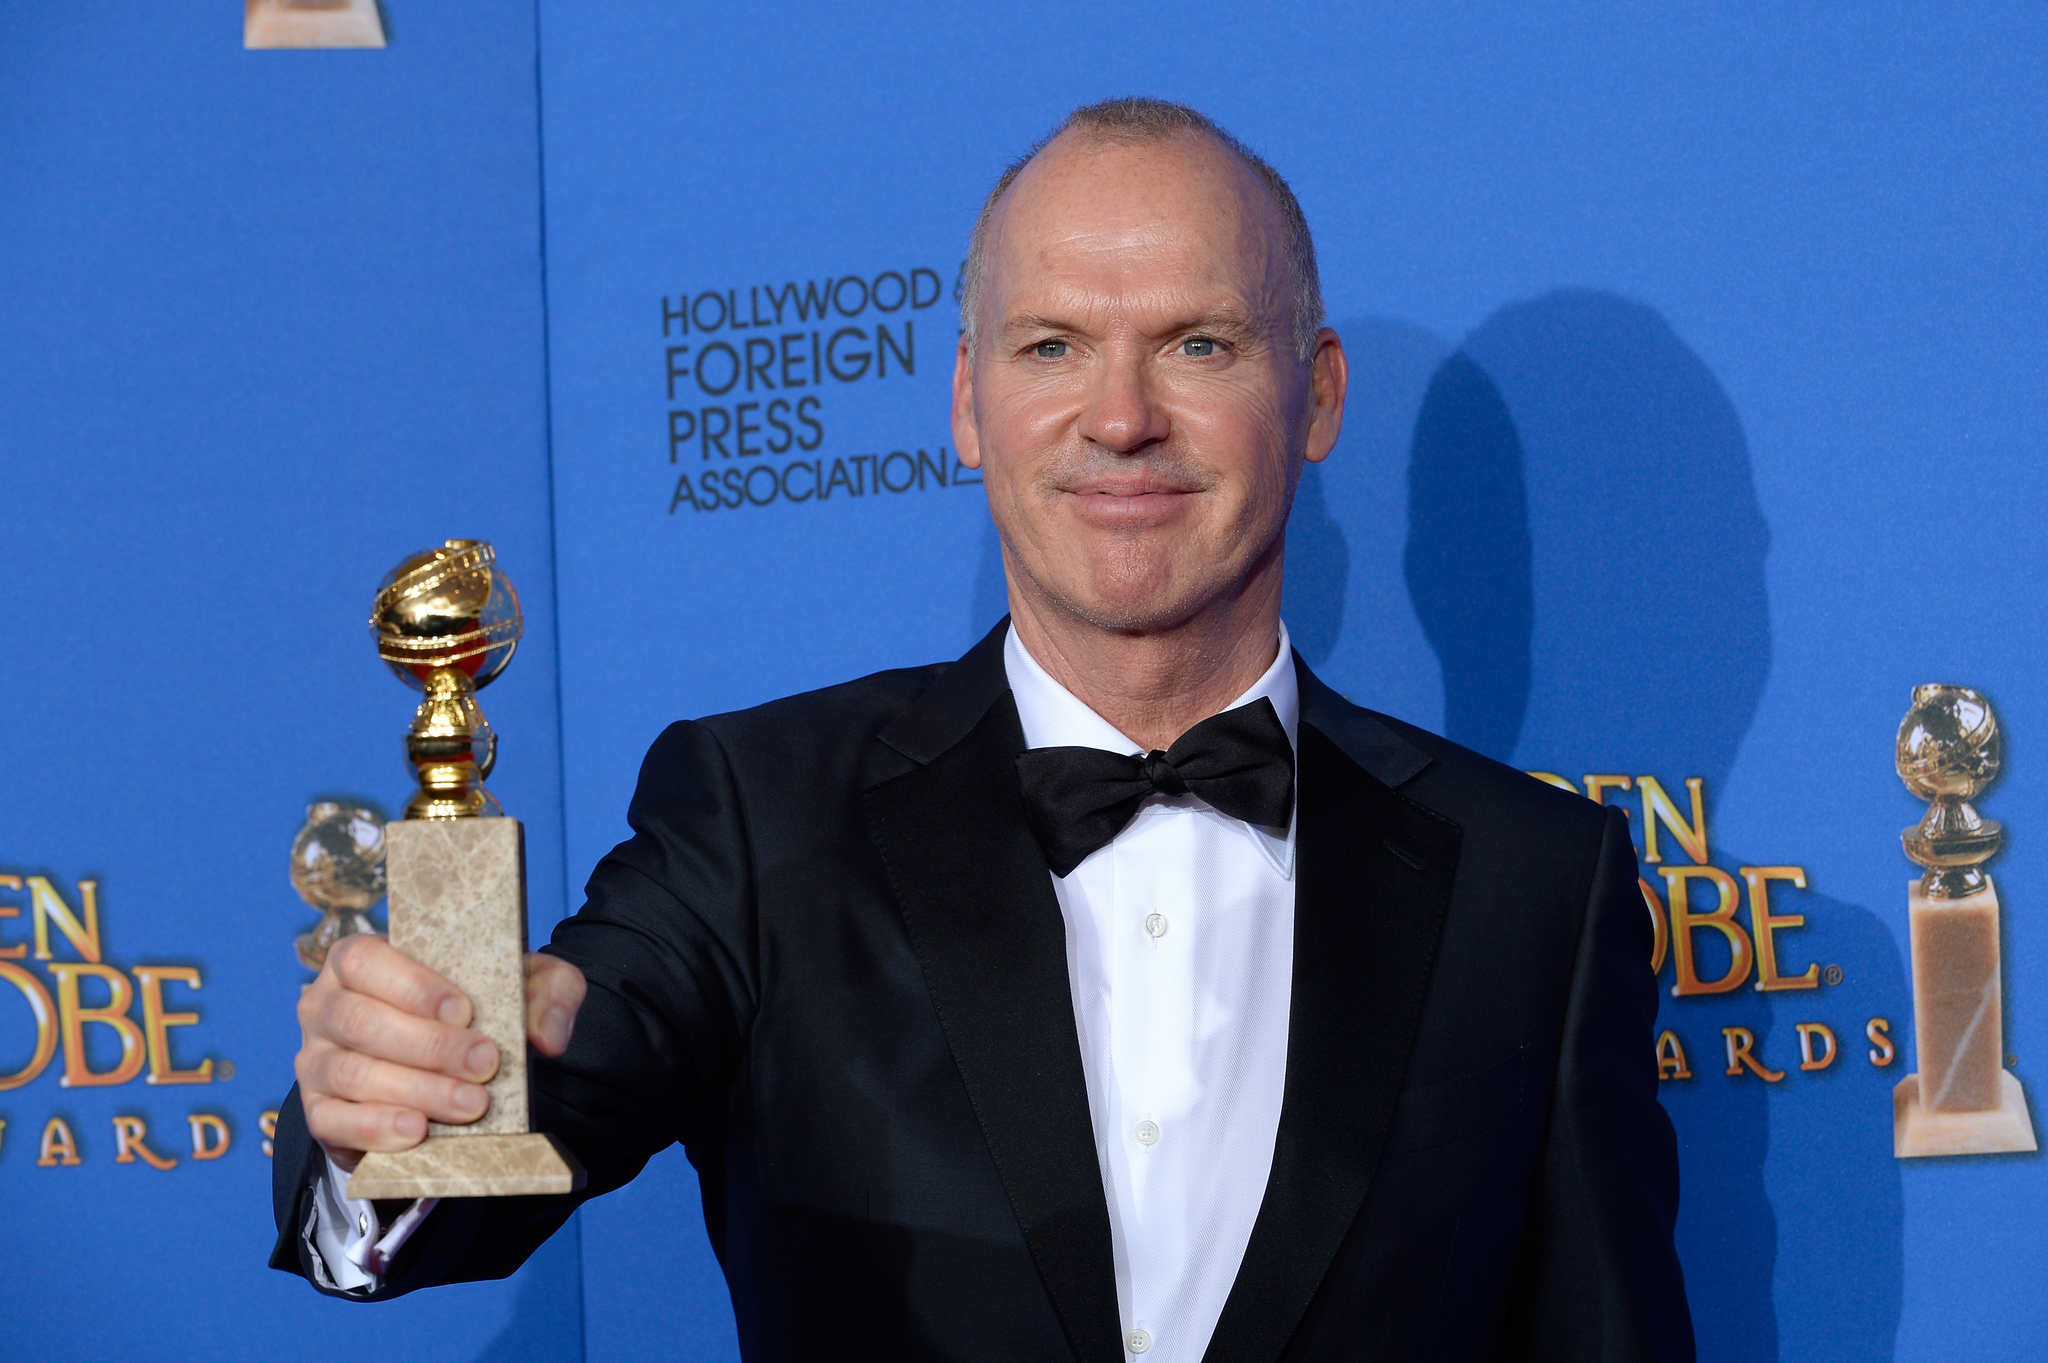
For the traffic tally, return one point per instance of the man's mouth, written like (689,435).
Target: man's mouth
(1127,501)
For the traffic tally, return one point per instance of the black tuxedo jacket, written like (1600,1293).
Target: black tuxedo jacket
(830,962)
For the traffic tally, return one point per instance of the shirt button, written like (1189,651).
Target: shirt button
(1148,1134)
(1138,1341)
(1155,925)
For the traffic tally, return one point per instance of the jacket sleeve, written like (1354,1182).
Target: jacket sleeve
(1603,1280)
(665,941)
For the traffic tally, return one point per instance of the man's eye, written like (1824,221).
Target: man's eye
(1198,347)
(1050,350)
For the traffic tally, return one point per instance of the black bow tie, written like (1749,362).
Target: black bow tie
(1077,799)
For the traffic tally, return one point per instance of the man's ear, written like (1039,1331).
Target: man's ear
(966,435)
(1329,379)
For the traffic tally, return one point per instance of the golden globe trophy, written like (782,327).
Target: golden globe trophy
(338,868)
(447,621)
(1963,1101)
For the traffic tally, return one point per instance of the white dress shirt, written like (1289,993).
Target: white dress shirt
(1180,954)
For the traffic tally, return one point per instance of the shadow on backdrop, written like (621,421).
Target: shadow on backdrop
(1586,555)
(1468,557)
(1318,571)
(1344,598)
(991,592)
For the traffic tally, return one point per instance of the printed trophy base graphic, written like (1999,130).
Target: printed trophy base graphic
(311,23)
(469,1166)
(1958,1021)
(2000,1130)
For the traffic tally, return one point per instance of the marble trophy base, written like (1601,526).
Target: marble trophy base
(1999,1130)
(469,1166)
(458,904)
(311,23)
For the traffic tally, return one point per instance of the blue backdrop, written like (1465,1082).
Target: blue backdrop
(1699,383)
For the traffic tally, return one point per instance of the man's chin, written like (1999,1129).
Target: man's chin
(1126,607)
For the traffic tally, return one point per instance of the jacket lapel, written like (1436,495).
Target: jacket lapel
(978,903)
(1374,876)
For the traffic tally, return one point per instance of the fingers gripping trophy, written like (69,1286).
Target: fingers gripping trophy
(447,621)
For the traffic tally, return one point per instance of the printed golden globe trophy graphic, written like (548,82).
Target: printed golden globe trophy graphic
(338,868)
(1963,1101)
(311,23)
(447,622)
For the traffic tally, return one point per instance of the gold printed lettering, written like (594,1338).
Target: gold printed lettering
(72,1019)
(58,1145)
(84,936)
(1658,808)
(1671,1057)
(156,1024)
(129,1146)
(45,1014)
(1762,925)
(1878,1032)
(1598,786)
(1741,1042)
(1552,778)
(19,949)
(1807,1032)
(1684,922)
(1660,935)
(267,1124)
(210,1138)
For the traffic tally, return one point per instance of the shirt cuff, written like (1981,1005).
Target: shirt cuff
(349,1241)
(343,1229)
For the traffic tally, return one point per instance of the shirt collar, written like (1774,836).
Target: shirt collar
(1054,717)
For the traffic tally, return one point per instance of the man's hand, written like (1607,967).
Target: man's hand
(387,1046)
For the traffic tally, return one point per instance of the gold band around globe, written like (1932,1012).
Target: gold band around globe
(447,622)
(458,648)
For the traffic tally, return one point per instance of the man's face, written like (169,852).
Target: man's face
(1135,401)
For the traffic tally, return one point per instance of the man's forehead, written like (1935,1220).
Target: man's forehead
(1181,206)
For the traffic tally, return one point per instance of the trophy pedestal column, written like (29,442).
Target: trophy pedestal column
(1963,1101)
(458,905)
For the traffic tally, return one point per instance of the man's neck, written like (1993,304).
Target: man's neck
(1156,686)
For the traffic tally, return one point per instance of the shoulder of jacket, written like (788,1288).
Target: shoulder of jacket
(861,706)
(1479,779)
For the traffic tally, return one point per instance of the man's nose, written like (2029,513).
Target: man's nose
(1123,415)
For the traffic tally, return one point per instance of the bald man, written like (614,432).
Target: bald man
(1118,991)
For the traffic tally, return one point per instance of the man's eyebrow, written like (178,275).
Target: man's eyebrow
(1223,319)
(1220,319)
(1032,321)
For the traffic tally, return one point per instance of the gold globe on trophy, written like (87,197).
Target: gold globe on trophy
(338,868)
(1963,1101)
(447,622)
